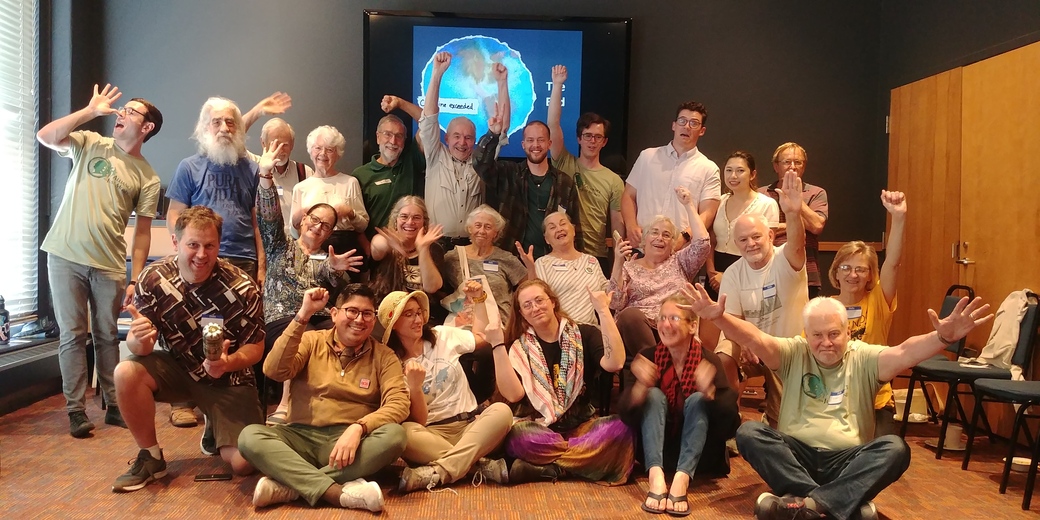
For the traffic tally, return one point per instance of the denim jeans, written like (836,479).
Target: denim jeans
(73,286)
(694,430)
(840,481)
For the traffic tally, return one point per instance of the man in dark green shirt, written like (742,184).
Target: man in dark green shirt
(397,170)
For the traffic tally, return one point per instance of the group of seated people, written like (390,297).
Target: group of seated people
(451,309)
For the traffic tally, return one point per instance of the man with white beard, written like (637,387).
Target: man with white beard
(396,171)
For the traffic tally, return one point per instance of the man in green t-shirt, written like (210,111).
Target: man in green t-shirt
(599,188)
(397,170)
(823,458)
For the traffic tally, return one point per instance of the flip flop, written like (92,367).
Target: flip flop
(655,496)
(674,500)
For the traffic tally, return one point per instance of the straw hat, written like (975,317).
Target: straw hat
(393,305)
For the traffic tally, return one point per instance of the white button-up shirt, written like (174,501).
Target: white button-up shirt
(659,171)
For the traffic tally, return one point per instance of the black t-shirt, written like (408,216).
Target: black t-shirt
(592,351)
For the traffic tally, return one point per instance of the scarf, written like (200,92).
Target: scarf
(677,387)
(551,399)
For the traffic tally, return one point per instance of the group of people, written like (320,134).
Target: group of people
(464,312)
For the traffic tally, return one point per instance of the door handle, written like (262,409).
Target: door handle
(964,261)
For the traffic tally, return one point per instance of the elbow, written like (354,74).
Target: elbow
(513,397)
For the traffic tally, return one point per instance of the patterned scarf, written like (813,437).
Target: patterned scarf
(675,387)
(550,398)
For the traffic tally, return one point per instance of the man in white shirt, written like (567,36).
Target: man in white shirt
(650,188)
(287,173)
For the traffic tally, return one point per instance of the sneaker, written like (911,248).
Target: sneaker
(362,494)
(868,511)
(79,425)
(522,472)
(208,443)
(113,417)
(494,470)
(418,478)
(269,491)
(182,417)
(771,507)
(277,417)
(143,470)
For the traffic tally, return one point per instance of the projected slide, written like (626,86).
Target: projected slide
(468,88)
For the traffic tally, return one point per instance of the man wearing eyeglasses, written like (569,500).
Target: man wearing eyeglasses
(347,397)
(86,258)
(650,187)
(599,188)
(396,171)
(790,157)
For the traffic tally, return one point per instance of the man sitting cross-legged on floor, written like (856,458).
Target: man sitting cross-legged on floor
(346,398)
(824,458)
(175,298)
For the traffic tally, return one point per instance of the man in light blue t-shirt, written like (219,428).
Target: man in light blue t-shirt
(823,457)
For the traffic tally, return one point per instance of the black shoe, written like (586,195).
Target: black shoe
(79,425)
(208,444)
(113,417)
(522,472)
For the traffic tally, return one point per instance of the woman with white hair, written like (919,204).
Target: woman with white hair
(639,285)
(340,190)
(503,270)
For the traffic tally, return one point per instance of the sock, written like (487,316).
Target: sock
(155,451)
(811,504)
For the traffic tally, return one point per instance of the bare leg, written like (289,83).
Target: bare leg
(135,390)
(332,494)
(658,486)
(680,483)
(239,465)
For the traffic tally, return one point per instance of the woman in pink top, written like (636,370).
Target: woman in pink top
(639,286)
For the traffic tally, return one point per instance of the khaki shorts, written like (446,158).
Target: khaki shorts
(228,408)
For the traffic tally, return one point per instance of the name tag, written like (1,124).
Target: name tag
(491,266)
(319,256)
(280,191)
(854,312)
(559,267)
(836,398)
(381,182)
(769,291)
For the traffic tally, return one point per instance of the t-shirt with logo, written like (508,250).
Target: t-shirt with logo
(229,190)
(106,185)
(445,386)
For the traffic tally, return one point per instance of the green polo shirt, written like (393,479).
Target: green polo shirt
(382,185)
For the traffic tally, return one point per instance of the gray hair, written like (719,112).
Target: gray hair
(498,221)
(408,200)
(332,138)
(391,118)
(660,219)
(273,123)
(557,213)
(825,306)
(216,103)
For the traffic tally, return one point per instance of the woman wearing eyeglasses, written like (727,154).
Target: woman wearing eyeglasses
(639,285)
(688,409)
(294,266)
(406,253)
(337,189)
(869,296)
(448,432)
(548,369)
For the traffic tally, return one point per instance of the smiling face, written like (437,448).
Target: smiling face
(482,231)
(854,276)
(559,232)
(353,332)
(323,155)
(827,337)
(317,225)
(460,138)
(685,137)
(754,240)
(197,250)
(536,307)
(536,143)
(409,221)
(130,122)
(592,140)
(738,176)
(409,325)
(659,241)
(390,137)
(675,333)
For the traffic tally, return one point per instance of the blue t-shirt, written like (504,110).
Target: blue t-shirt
(230,191)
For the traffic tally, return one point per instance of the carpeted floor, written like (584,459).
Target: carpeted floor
(45,473)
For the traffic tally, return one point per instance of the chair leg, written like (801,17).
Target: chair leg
(1031,476)
(1019,417)
(989,428)
(971,430)
(951,396)
(909,401)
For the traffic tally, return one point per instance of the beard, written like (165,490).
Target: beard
(221,151)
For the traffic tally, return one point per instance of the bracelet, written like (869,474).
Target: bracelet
(943,340)
(132,282)
(499,345)
(480,299)
(262,176)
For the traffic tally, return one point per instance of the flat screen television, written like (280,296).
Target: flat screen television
(400,45)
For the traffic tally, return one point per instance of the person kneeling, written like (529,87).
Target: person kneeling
(346,399)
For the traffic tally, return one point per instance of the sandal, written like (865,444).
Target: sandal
(278,417)
(676,500)
(655,496)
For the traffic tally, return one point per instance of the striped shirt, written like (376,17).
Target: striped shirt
(568,279)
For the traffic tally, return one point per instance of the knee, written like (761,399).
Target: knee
(502,412)
(655,400)
(693,404)
(752,432)
(240,466)
(393,435)
(249,438)
(895,450)
(128,373)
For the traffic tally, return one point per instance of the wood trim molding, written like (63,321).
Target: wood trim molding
(834,246)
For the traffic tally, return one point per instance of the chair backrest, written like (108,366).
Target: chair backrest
(949,302)
(1027,333)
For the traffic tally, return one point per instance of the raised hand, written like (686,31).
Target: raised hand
(702,304)
(527,257)
(559,74)
(441,62)
(414,373)
(894,202)
(216,369)
(314,300)
(101,102)
(390,103)
(495,121)
(645,371)
(600,300)
(393,239)
(622,251)
(684,196)
(274,104)
(345,262)
(965,317)
(270,157)
(499,72)
(791,193)
(473,289)
(425,238)
(704,375)
(141,327)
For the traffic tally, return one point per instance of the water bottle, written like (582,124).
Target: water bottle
(5,324)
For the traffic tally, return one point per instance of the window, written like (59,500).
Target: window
(19,197)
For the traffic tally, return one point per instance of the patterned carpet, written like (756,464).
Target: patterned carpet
(45,473)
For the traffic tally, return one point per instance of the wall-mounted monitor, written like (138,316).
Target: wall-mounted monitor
(399,50)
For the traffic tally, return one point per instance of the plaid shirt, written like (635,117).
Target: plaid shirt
(506,190)
(816,198)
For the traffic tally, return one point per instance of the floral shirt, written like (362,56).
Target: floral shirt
(645,288)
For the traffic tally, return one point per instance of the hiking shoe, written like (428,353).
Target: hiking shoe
(418,478)
(522,472)
(208,443)
(182,417)
(143,470)
(79,425)
(771,507)
(868,511)
(269,491)
(362,494)
(113,417)
(494,470)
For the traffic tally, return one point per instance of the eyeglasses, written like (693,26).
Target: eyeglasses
(327,149)
(315,221)
(860,270)
(688,121)
(353,312)
(654,233)
(386,134)
(592,138)
(409,315)
(126,111)
(788,163)
(674,319)
(537,302)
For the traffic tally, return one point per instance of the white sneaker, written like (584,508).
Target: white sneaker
(269,491)
(361,494)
